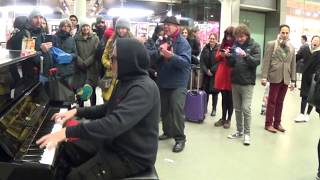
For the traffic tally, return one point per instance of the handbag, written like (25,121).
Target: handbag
(313,96)
(105,82)
(60,57)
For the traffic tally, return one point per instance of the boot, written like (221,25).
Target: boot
(219,123)
(226,124)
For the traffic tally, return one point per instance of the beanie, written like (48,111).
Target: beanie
(123,23)
(84,21)
(99,19)
(35,12)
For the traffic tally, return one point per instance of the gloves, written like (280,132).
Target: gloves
(85,92)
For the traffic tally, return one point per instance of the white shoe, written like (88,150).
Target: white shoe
(235,135)
(300,118)
(246,140)
(306,118)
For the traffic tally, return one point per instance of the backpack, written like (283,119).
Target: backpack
(20,31)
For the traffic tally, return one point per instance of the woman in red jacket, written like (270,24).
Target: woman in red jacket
(223,78)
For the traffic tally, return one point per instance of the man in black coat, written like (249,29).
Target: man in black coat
(121,140)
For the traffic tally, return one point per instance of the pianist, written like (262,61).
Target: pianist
(121,140)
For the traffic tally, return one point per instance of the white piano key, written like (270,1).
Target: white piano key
(49,152)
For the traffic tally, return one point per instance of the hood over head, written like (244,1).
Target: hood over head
(133,59)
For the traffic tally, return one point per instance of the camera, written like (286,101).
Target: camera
(236,51)
(164,39)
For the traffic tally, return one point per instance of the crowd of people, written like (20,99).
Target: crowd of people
(145,81)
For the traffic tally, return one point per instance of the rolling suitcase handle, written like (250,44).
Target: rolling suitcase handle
(194,67)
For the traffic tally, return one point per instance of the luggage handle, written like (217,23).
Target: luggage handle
(198,80)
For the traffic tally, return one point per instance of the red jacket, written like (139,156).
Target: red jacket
(223,74)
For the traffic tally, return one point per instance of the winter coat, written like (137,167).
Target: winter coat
(311,66)
(175,72)
(277,68)
(208,62)
(65,42)
(86,70)
(302,55)
(106,62)
(195,50)
(128,123)
(244,68)
(223,74)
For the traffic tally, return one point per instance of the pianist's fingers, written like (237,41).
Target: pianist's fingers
(43,141)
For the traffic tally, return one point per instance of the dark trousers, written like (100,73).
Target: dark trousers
(81,160)
(214,100)
(276,97)
(172,112)
(304,105)
(227,105)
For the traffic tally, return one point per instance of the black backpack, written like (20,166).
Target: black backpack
(20,31)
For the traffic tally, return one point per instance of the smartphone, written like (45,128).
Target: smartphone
(48,38)
(222,50)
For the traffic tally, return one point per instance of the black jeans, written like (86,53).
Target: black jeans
(304,103)
(227,105)
(81,160)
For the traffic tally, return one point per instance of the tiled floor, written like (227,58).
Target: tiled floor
(209,155)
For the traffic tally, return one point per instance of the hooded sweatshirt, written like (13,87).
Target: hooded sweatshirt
(128,123)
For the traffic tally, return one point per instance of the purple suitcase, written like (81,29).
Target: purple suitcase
(196,103)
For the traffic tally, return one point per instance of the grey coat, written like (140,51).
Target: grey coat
(86,69)
(276,68)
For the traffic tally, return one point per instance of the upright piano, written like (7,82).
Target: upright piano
(25,113)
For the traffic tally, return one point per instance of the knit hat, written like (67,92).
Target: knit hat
(35,12)
(99,19)
(123,23)
(171,20)
(84,21)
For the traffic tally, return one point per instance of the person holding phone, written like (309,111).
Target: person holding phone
(222,80)
(244,59)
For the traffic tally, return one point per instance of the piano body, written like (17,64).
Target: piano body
(24,117)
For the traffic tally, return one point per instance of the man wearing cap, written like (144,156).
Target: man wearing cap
(174,67)
(100,27)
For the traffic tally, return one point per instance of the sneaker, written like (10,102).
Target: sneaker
(307,117)
(246,140)
(213,113)
(219,123)
(300,118)
(235,135)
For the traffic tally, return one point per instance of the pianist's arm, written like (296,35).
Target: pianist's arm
(93,112)
(125,115)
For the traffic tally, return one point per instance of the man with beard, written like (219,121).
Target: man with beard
(100,27)
(279,68)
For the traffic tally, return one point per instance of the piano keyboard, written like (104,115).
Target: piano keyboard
(44,156)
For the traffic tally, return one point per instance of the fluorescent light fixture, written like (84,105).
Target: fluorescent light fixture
(298,11)
(23,9)
(130,12)
(308,13)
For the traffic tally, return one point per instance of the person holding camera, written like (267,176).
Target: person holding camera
(243,57)
(174,67)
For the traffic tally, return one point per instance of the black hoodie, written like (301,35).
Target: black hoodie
(128,124)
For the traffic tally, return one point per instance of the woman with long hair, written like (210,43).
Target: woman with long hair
(223,78)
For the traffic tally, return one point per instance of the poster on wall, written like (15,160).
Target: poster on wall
(205,29)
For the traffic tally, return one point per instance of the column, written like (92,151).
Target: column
(230,12)
(80,8)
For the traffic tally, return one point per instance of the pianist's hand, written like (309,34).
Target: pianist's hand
(51,140)
(64,116)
